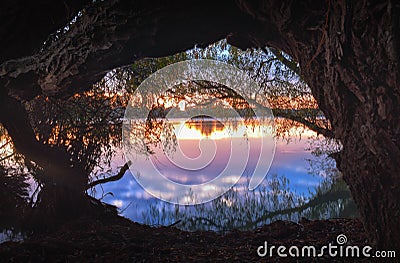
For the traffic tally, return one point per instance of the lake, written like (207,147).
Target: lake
(300,172)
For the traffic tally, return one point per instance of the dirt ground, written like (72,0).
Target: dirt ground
(117,239)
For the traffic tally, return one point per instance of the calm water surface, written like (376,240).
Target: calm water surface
(293,178)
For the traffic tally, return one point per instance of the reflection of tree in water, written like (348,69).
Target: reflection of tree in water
(236,209)
(157,129)
(87,128)
(245,210)
(242,209)
(205,126)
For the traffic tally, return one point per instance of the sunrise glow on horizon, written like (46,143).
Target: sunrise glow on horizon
(186,131)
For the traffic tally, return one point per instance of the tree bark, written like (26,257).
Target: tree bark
(26,25)
(349,55)
(361,93)
(115,33)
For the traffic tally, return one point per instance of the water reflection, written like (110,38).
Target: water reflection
(208,156)
(205,126)
(206,148)
(299,184)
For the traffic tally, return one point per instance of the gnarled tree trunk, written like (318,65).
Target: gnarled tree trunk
(349,55)
(64,183)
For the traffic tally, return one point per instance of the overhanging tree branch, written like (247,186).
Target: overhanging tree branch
(115,33)
(113,178)
(290,64)
(287,114)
